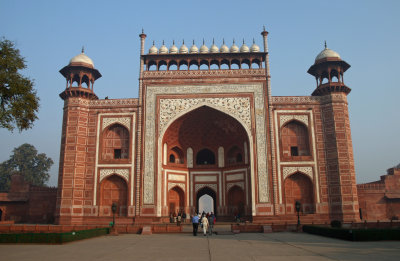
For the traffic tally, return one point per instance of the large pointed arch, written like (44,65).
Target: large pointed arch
(228,114)
(157,115)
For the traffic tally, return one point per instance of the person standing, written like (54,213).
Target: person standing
(184,217)
(211,221)
(178,219)
(204,223)
(195,221)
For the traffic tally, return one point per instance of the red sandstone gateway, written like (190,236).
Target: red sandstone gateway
(205,125)
(206,134)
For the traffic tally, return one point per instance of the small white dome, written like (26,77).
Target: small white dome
(254,48)
(224,48)
(153,49)
(183,48)
(163,49)
(203,48)
(327,53)
(244,48)
(234,48)
(173,49)
(214,48)
(82,58)
(194,48)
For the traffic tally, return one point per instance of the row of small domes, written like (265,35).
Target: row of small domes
(204,49)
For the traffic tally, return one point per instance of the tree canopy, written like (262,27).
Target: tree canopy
(18,101)
(26,161)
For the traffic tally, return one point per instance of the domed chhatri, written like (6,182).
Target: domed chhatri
(173,49)
(254,48)
(224,48)
(327,53)
(234,48)
(244,48)
(153,49)
(163,49)
(82,58)
(203,48)
(194,48)
(214,48)
(183,48)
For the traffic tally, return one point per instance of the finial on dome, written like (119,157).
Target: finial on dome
(325,45)
(223,40)
(193,41)
(254,41)
(83,49)
(233,40)
(162,42)
(173,42)
(243,40)
(263,27)
(183,41)
(153,42)
(213,40)
(203,41)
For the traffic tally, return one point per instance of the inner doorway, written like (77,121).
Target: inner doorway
(236,201)
(206,204)
(176,200)
(206,200)
(114,190)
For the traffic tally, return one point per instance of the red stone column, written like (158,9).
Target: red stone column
(340,173)
(74,158)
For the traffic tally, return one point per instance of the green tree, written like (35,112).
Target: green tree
(18,101)
(25,160)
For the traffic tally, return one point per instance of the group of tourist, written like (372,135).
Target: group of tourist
(177,218)
(206,221)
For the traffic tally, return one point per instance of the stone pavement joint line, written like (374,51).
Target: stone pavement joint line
(177,247)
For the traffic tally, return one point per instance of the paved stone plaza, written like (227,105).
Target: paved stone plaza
(274,246)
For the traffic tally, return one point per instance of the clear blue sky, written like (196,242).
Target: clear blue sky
(365,33)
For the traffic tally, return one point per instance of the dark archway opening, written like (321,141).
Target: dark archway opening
(1,215)
(205,157)
(206,191)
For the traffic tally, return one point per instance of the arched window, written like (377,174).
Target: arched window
(176,155)
(115,143)
(239,157)
(205,157)
(235,155)
(295,140)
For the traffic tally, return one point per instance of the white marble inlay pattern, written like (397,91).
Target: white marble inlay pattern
(190,157)
(286,171)
(173,184)
(125,121)
(238,176)
(238,106)
(176,177)
(107,172)
(197,187)
(205,178)
(286,118)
